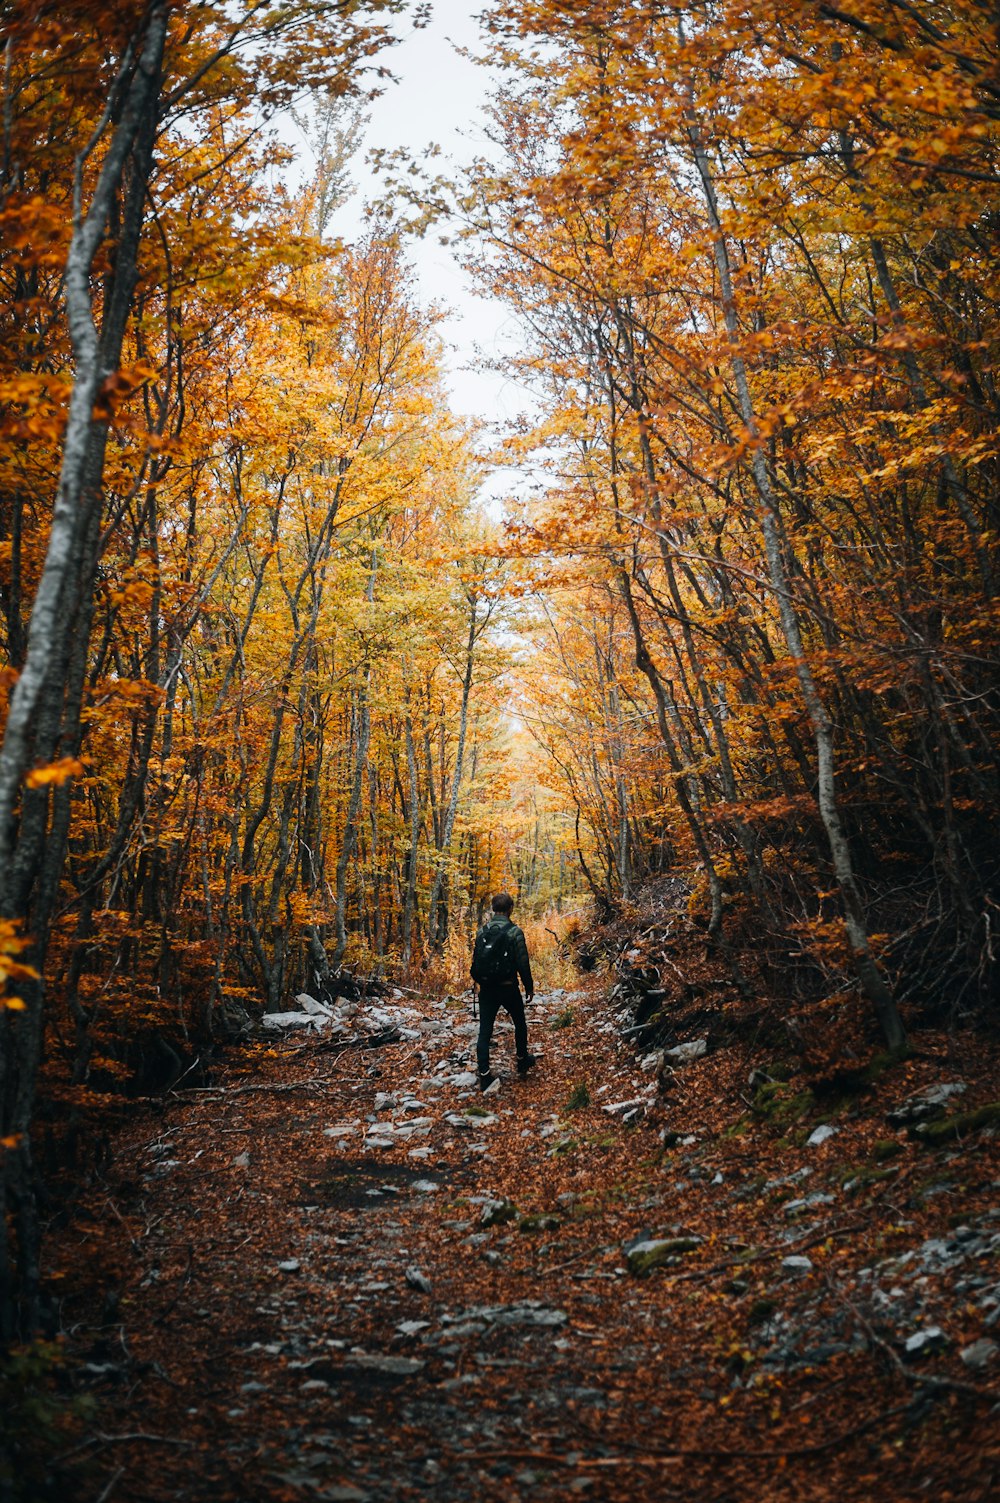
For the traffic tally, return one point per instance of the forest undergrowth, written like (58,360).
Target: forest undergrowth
(285,701)
(339,1272)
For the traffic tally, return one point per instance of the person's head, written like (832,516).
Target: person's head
(503,903)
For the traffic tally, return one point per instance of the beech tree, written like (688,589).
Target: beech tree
(94,100)
(757,292)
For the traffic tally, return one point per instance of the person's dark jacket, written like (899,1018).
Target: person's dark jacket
(498,920)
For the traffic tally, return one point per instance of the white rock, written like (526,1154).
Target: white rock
(820,1135)
(309,1004)
(683,1054)
(651,1062)
(242,1161)
(620,1108)
(394,1367)
(930,1339)
(278,1021)
(418,1280)
(980,1353)
(290,1265)
(425,1186)
(796,1263)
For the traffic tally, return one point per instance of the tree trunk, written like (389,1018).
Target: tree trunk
(872,982)
(62,609)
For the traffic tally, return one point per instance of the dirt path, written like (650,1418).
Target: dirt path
(347,1276)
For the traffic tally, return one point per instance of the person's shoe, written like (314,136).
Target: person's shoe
(485,1081)
(525,1062)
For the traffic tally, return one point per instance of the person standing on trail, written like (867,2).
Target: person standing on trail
(500,956)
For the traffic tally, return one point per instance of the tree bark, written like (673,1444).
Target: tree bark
(872,982)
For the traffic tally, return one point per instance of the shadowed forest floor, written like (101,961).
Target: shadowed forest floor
(348,1276)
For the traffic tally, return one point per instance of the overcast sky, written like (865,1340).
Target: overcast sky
(437,100)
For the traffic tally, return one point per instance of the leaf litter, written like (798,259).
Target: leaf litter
(358,1280)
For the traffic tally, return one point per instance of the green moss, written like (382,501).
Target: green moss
(500,1213)
(877,1066)
(655,1253)
(776,1102)
(886,1148)
(539,1223)
(761,1310)
(867,1174)
(947,1128)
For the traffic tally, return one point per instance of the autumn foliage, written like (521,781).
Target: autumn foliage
(756,247)
(259,639)
(251,691)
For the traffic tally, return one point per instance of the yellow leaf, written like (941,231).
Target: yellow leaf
(54,772)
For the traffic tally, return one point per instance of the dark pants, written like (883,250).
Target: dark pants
(490,1002)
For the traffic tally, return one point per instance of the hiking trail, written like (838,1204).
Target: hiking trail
(341,1274)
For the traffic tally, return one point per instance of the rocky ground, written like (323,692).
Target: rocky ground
(340,1273)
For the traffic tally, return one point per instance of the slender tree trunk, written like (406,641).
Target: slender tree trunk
(872,981)
(63,603)
(436,924)
(411,860)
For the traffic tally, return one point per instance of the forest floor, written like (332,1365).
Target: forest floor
(343,1274)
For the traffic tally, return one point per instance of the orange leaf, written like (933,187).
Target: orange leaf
(54,772)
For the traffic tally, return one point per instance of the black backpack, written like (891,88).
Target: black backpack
(493,960)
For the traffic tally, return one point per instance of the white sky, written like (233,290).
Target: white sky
(438,99)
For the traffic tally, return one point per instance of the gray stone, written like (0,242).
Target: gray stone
(620,1108)
(924,1343)
(820,1135)
(683,1054)
(788,1179)
(290,1265)
(498,1212)
(653,1252)
(386,1366)
(925,1105)
(793,1207)
(797,1263)
(528,1313)
(980,1353)
(418,1280)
